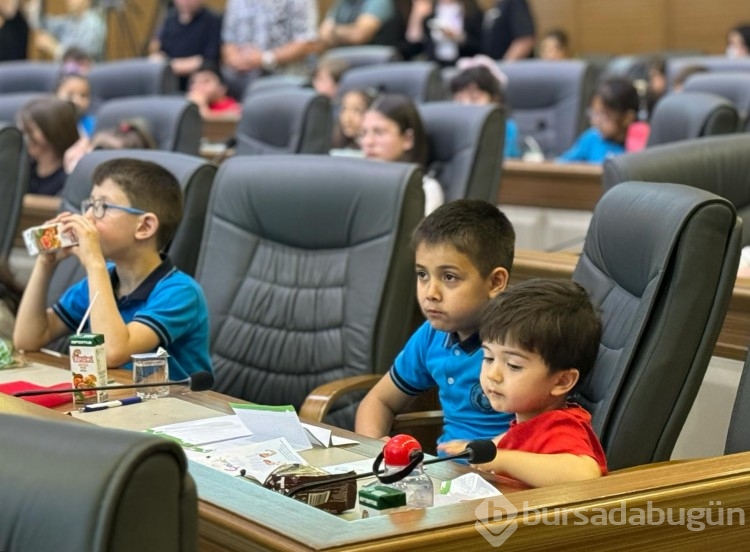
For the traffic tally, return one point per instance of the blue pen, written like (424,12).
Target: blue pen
(111,404)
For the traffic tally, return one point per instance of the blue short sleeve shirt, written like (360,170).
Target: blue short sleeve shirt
(169,302)
(435,358)
(592,147)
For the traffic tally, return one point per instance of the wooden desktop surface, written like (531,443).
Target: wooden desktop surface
(248,517)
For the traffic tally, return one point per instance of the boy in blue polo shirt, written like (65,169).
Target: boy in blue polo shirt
(464,252)
(142,301)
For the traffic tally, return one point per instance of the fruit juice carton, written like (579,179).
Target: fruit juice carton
(88,365)
(48,237)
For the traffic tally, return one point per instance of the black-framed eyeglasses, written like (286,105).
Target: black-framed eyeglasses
(99,207)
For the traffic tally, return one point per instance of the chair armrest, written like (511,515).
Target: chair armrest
(319,401)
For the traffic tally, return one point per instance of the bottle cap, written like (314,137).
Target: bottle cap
(400,450)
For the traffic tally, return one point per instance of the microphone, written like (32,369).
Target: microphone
(476,452)
(200,381)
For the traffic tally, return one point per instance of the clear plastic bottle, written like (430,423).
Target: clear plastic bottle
(397,454)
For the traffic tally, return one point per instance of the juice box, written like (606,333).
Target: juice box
(48,237)
(88,365)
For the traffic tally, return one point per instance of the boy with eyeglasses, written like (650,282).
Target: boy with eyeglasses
(142,301)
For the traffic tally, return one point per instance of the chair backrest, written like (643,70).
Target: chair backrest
(174,121)
(307,269)
(13,184)
(466,148)
(360,56)
(286,120)
(11,104)
(274,83)
(132,77)
(420,80)
(687,115)
(738,434)
(74,486)
(716,64)
(548,100)
(733,86)
(28,76)
(659,262)
(718,164)
(195,176)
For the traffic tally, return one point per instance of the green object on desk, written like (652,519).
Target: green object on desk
(6,354)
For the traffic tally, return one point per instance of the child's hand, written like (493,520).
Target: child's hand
(453,447)
(88,250)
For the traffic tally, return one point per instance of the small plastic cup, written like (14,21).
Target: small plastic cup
(151,368)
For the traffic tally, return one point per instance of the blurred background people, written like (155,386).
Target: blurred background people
(266,36)
(81,25)
(738,41)
(189,35)
(76,88)
(508,32)
(131,133)
(444,30)
(327,75)
(353,106)
(554,45)
(357,22)
(49,128)
(14,31)
(208,91)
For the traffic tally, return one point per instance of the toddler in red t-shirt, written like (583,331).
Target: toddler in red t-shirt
(540,338)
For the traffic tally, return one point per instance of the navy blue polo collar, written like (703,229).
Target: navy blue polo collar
(469,345)
(142,292)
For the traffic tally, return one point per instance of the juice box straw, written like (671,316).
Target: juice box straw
(86,314)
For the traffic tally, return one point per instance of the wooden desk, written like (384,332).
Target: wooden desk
(219,128)
(735,332)
(550,185)
(236,515)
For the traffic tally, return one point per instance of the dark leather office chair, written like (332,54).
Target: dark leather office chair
(174,122)
(28,76)
(132,77)
(360,56)
(733,86)
(687,115)
(13,184)
(718,164)
(548,100)
(659,263)
(75,486)
(420,80)
(286,120)
(466,148)
(308,272)
(738,434)
(715,64)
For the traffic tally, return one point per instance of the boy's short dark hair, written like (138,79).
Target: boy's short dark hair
(618,94)
(474,227)
(553,318)
(211,66)
(482,78)
(149,187)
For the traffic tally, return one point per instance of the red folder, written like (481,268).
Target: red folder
(49,401)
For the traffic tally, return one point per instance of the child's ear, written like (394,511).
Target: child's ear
(408,139)
(566,381)
(148,227)
(630,117)
(498,280)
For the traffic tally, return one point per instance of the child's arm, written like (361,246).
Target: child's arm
(121,339)
(379,407)
(542,470)
(36,325)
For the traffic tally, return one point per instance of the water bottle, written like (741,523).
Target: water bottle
(398,453)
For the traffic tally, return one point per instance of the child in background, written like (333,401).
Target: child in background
(354,104)
(464,252)
(76,88)
(327,75)
(49,128)
(129,134)
(143,302)
(392,130)
(554,45)
(481,83)
(76,60)
(738,42)
(614,108)
(540,338)
(208,91)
